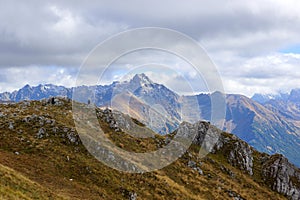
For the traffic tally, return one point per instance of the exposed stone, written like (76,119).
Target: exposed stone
(55,129)
(234,195)
(42,133)
(227,171)
(282,176)
(211,139)
(41,120)
(48,121)
(241,156)
(11,125)
(238,152)
(73,138)
(191,164)
(199,170)
(132,196)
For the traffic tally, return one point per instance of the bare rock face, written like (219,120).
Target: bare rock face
(282,176)
(241,156)
(201,128)
(237,152)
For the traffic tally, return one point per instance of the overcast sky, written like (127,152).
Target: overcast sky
(255,45)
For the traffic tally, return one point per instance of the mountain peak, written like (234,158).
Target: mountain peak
(295,95)
(141,79)
(27,86)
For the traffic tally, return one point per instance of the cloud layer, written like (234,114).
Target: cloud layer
(244,39)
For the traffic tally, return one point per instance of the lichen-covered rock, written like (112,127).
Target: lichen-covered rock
(282,176)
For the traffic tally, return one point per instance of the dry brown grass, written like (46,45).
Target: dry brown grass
(53,168)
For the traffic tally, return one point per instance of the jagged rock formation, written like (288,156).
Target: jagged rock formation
(277,172)
(282,176)
(238,153)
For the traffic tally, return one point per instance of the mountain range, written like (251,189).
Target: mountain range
(269,124)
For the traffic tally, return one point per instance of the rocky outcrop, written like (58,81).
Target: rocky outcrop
(237,152)
(201,128)
(282,176)
(277,172)
(121,122)
(241,156)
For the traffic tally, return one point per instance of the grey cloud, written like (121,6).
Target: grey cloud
(246,28)
(62,33)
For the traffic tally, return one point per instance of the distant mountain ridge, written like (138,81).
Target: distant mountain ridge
(36,93)
(263,98)
(271,125)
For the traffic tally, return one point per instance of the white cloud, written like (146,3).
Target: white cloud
(263,74)
(67,22)
(15,78)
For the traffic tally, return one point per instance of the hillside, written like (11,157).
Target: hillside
(42,157)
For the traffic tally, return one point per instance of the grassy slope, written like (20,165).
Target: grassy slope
(15,186)
(54,168)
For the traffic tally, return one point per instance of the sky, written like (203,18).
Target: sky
(255,45)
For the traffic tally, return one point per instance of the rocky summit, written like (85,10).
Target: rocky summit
(42,157)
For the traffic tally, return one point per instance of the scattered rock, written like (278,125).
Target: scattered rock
(132,196)
(209,175)
(199,170)
(73,138)
(191,164)
(227,171)
(234,195)
(53,101)
(11,125)
(42,133)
